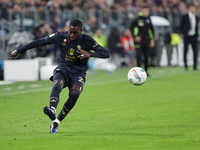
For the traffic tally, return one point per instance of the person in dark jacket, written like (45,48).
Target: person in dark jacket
(189,32)
(143,32)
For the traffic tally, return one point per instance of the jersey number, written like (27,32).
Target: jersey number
(81,80)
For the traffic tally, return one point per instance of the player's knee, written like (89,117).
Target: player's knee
(58,83)
(57,86)
(75,93)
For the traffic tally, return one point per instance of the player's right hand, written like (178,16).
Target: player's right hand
(13,54)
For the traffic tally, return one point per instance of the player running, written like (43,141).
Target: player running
(75,50)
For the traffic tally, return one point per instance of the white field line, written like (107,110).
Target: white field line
(49,88)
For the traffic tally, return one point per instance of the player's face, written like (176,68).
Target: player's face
(145,12)
(74,32)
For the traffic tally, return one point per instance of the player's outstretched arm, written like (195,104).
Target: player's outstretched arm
(99,52)
(39,42)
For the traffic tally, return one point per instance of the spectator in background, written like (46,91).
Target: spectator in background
(90,27)
(100,38)
(167,44)
(42,31)
(175,40)
(101,64)
(189,32)
(56,26)
(116,48)
(66,27)
(129,49)
(47,29)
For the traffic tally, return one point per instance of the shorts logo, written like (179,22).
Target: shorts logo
(71,51)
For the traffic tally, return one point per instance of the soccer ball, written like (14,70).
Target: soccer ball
(137,76)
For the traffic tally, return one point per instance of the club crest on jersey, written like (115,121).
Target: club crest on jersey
(64,42)
(148,21)
(71,51)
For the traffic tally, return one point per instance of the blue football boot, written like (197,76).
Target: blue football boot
(54,127)
(50,112)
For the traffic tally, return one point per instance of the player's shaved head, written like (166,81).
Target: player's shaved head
(75,28)
(76,23)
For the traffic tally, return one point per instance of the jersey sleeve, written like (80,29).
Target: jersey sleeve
(134,27)
(98,51)
(182,23)
(39,42)
(151,30)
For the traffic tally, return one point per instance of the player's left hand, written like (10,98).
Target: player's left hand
(83,54)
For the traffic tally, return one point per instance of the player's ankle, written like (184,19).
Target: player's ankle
(53,108)
(57,121)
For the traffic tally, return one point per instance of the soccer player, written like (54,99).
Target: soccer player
(71,71)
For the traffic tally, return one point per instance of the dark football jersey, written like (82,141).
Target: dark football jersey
(69,48)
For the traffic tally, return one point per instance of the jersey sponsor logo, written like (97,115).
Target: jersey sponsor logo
(147,20)
(64,43)
(141,23)
(51,35)
(71,51)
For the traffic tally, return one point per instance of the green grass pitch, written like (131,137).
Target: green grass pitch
(111,114)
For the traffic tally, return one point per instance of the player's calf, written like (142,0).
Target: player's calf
(69,104)
(54,97)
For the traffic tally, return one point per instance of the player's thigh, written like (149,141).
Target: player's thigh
(77,82)
(60,77)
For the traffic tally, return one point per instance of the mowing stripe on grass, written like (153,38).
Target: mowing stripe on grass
(49,88)
(159,74)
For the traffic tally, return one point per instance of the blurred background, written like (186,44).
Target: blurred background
(22,21)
